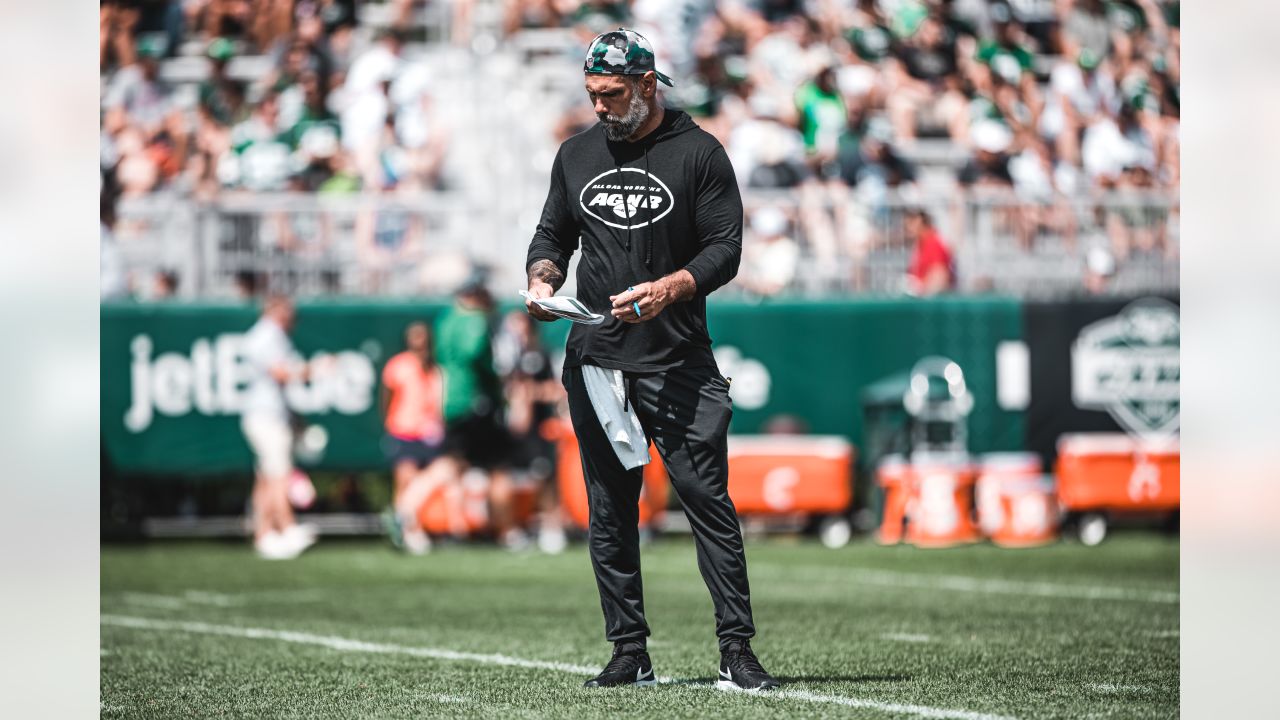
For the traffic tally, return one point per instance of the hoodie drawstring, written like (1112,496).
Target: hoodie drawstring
(617,169)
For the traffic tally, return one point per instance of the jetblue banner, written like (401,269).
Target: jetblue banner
(172,375)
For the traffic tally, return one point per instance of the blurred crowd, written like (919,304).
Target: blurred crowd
(309,113)
(1048,95)
(1044,102)
(851,108)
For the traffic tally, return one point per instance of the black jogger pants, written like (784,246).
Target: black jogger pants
(685,412)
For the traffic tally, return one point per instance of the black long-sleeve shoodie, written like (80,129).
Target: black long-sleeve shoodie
(642,210)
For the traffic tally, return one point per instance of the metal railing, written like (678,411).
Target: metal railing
(1113,243)
(426,244)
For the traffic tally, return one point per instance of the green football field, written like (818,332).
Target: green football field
(353,630)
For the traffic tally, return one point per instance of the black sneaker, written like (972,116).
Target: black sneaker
(740,669)
(628,667)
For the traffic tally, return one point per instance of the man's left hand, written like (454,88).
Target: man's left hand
(650,297)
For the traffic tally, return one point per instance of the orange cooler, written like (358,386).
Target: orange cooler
(1117,472)
(776,474)
(1017,506)
(940,503)
(932,496)
(573,487)
(462,509)
(891,476)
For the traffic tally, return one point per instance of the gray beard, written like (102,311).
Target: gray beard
(619,129)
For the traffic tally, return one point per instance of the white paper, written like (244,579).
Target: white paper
(568,308)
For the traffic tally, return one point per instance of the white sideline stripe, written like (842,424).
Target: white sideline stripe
(918,710)
(964,583)
(338,643)
(347,645)
(1113,688)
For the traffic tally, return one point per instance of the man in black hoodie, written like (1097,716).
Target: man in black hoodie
(653,201)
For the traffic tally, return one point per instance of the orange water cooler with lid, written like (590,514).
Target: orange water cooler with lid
(1017,505)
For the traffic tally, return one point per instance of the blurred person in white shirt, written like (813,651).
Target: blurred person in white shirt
(765,152)
(1078,92)
(270,363)
(362,101)
(113,281)
(777,62)
(1109,146)
(1041,187)
(769,256)
(137,95)
(420,128)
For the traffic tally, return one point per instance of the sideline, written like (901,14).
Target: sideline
(342,644)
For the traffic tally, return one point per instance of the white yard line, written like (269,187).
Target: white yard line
(1110,688)
(962,583)
(337,643)
(899,708)
(348,645)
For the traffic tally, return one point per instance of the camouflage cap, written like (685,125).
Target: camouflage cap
(621,52)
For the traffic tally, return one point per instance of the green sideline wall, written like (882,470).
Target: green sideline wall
(814,357)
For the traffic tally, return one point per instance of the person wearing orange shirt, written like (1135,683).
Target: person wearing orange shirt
(412,397)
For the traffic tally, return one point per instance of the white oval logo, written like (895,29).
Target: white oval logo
(626,198)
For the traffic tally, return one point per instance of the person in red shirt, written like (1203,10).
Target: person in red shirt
(932,269)
(412,401)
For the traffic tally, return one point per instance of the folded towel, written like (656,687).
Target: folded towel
(608,395)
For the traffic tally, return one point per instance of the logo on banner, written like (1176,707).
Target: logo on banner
(1128,365)
(626,198)
(210,380)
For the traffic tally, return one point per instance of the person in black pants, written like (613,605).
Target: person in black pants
(652,200)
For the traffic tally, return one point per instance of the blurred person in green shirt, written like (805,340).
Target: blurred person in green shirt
(1006,54)
(221,98)
(822,111)
(476,434)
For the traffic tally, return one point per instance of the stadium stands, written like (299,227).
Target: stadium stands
(385,148)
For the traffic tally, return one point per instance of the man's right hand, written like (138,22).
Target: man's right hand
(539,290)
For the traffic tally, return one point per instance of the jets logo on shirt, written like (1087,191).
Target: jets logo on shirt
(626,198)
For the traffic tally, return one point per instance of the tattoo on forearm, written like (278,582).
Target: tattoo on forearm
(547,272)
